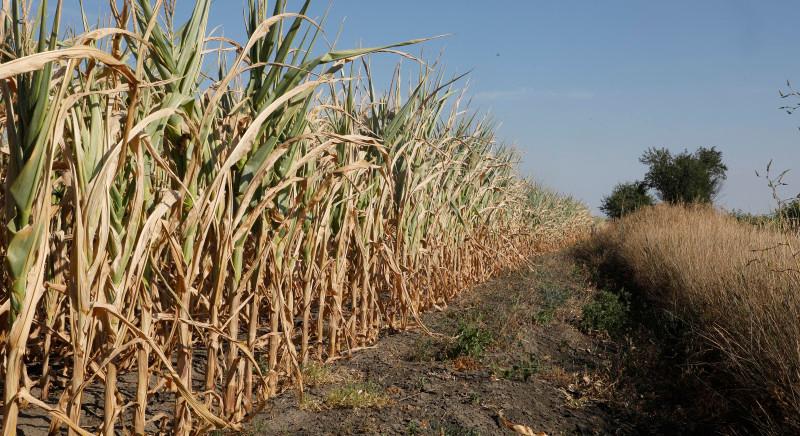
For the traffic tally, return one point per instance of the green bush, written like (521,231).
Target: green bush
(626,198)
(607,312)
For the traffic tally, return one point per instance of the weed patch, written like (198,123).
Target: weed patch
(607,312)
(522,370)
(472,341)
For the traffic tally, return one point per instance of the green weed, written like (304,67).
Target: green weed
(607,312)
(523,370)
(472,341)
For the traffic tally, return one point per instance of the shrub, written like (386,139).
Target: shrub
(607,312)
(626,198)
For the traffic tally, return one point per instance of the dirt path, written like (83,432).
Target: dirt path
(513,351)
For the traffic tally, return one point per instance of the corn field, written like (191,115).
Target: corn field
(189,220)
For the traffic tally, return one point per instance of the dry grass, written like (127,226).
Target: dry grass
(318,374)
(735,286)
(356,396)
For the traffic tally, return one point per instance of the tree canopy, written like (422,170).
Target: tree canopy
(626,198)
(685,177)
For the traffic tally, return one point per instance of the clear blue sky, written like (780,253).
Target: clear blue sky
(583,87)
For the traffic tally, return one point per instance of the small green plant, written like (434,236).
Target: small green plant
(421,382)
(356,396)
(413,429)
(472,341)
(544,316)
(607,312)
(523,370)
(263,364)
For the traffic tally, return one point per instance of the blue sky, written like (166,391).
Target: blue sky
(582,88)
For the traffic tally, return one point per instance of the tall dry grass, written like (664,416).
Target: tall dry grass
(736,286)
(201,236)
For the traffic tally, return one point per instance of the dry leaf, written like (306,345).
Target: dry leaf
(517,428)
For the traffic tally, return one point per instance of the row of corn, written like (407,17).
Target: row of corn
(192,238)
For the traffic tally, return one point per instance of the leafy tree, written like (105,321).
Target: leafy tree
(626,198)
(686,177)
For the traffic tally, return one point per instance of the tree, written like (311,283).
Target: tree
(626,198)
(686,177)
